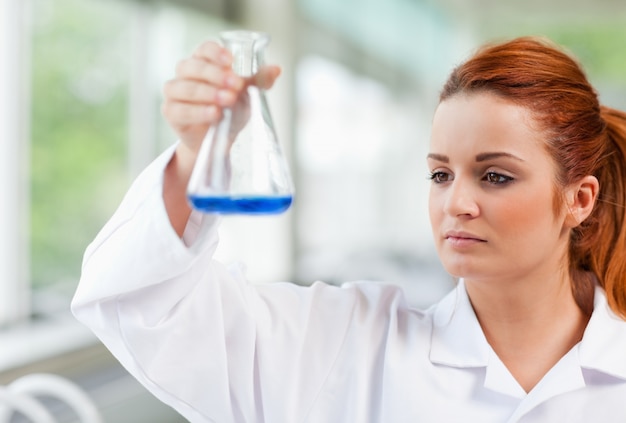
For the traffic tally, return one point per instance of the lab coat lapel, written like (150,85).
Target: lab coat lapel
(603,347)
(458,341)
(457,338)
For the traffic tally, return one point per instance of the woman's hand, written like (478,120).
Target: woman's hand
(193,100)
(203,85)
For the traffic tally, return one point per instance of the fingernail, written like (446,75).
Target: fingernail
(233,81)
(225,97)
(211,112)
(225,59)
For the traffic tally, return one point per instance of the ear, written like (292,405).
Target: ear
(581,197)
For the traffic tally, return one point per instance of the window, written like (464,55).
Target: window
(363,189)
(79,86)
(79,118)
(82,120)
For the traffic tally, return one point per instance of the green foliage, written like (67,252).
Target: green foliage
(598,45)
(81,58)
(78,129)
(597,41)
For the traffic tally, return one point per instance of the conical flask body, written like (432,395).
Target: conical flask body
(240,167)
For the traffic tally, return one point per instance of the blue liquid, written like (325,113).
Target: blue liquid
(241,205)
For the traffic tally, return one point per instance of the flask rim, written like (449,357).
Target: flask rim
(244,35)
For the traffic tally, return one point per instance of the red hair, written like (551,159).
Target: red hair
(583,138)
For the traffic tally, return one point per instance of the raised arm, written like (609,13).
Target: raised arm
(191,330)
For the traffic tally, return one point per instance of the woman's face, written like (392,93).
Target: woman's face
(491,198)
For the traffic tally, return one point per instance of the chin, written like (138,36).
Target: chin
(463,270)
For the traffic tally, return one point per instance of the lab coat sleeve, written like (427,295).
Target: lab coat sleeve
(197,334)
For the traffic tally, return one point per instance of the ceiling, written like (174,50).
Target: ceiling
(473,12)
(482,9)
(491,16)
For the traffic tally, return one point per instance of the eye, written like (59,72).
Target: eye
(440,177)
(496,178)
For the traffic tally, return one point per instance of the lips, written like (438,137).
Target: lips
(461,238)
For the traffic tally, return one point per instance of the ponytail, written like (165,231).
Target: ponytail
(608,245)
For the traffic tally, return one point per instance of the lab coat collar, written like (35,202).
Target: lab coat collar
(457,338)
(603,347)
(458,341)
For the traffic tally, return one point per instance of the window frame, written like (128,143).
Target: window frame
(14,169)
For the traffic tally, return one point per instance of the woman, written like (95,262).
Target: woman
(527,209)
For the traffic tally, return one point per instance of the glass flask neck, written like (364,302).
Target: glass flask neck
(247,48)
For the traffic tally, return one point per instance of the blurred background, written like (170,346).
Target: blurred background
(80,93)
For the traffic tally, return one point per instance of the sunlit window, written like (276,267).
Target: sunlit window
(97,68)
(80,63)
(363,188)
(92,72)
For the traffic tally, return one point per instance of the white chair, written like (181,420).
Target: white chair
(22,394)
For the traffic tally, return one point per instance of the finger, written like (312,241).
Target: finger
(180,114)
(222,58)
(213,52)
(191,91)
(266,76)
(201,70)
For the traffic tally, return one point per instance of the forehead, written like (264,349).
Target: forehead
(485,122)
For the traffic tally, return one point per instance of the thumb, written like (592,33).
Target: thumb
(266,76)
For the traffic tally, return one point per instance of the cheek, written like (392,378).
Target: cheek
(435,210)
(523,216)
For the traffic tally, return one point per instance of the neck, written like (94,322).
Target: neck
(530,323)
(517,301)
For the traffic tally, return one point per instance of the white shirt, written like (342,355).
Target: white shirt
(218,349)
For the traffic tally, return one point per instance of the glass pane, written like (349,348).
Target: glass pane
(84,54)
(362,183)
(80,52)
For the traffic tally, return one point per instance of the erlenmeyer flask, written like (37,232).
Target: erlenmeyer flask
(240,166)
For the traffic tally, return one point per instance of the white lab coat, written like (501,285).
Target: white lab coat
(219,349)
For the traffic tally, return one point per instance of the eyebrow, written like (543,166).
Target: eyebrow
(496,155)
(479,157)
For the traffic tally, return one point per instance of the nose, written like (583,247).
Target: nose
(461,199)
